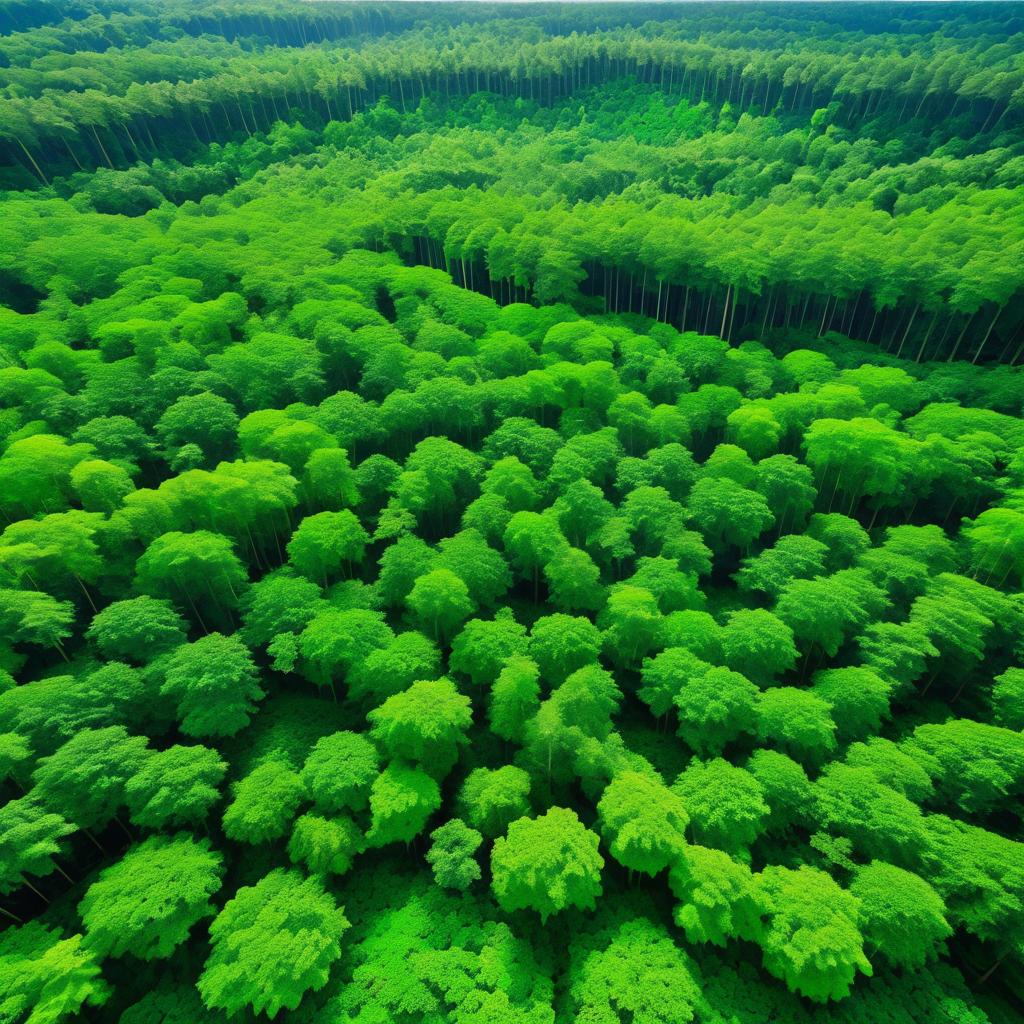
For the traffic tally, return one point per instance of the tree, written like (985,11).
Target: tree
(717,897)
(117,440)
(725,804)
(674,590)
(339,772)
(401,800)
(136,630)
(48,711)
(666,675)
(689,552)
(148,901)
(790,558)
(35,474)
(513,481)
(279,603)
(401,564)
(483,647)
(265,803)
(325,845)
(426,723)
(631,621)
(757,644)
(196,570)
(824,611)
(859,699)
(328,481)
(336,641)
(33,617)
(974,765)
(582,510)
(897,650)
(633,971)
(1008,699)
(728,461)
(652,516)
(643,822)
(205,420)
(439,602)
(860,457)
(84,780)
(15,757)
(451,855)
(728,514)
(269,370)
(273,942)
(973,870)
(561,644)
(30,838)
(491,799)
(326,544)
(175,787)
(213,681)
(587,700)
(788,487)
(901,915)
(715,707)
(439,475)
(515,698)
(786,788)
(478,565)
(754,429)
(844,537)
(45,977)
(798,721)
(893,766)
(810,937)
(60,549)
(531,540)
(928,545)
(574,581)
(547,864)
(890,385)
(995,541)
(100,486)
(388,670)
(880,821)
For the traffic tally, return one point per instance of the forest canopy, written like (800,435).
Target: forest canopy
(511,513)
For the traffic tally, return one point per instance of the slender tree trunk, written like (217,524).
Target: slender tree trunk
(987,333)
(910,323)
(927,335)
(960,337)
(988,974)
(35,890)
(824,314)
(67,146)
(32,159)
(106,156)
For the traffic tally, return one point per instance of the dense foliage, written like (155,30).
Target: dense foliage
(511,514)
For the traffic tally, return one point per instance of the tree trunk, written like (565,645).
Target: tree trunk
(987,333)
(910,323)
(39,170)
(960,337)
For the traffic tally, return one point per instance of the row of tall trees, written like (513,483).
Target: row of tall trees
(986,78)
(708,224)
